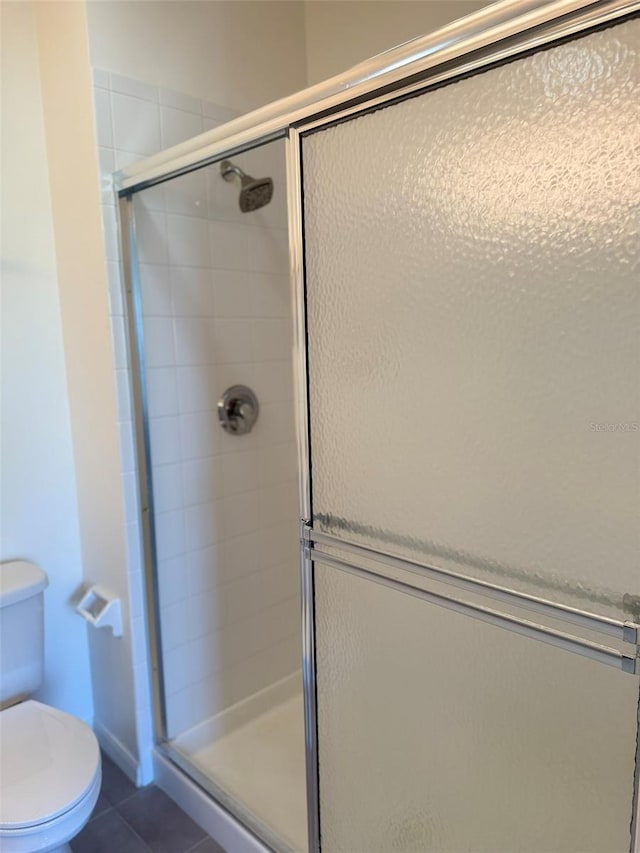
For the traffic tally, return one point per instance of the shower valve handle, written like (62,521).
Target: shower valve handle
(238,410)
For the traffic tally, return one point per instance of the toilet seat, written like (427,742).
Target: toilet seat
(49,764)
(52,835)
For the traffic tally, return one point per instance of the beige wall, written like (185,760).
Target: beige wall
(61,488)
(341,33)
(238,54)
(68,112)
(39,511)
(246,53)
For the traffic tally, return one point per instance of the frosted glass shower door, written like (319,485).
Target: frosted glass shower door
(473,323)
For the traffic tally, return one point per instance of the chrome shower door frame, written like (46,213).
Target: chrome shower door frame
(493,36)
(134,334)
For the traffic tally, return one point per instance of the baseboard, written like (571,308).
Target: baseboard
(203,809)
(118,753)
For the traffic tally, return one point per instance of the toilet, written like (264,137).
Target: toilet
(50,771)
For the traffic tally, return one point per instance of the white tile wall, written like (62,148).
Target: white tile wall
(187,195)
(155,288)
(192,292)
(188,241)
(136,124)
(178,125)
(180,101)
(217,312)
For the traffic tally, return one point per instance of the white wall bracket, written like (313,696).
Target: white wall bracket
(101,609)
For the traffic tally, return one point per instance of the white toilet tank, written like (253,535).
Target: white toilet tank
(21,630)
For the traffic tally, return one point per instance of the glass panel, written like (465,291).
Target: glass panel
(473,323)
(214,312)
(440,733)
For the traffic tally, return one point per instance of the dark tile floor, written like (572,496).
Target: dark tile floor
(127,819)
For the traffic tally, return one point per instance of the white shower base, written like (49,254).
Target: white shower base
(255,752)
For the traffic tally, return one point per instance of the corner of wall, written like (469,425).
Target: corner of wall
(66,86)
(39,498)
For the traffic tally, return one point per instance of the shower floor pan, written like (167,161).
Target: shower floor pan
(255,752)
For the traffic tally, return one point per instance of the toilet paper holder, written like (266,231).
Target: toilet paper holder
(101,609)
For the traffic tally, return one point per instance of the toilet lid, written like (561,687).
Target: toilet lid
(48,761)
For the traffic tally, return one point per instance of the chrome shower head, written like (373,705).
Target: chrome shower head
(254,192)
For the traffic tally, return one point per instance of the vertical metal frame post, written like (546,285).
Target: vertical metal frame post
(142,447)
(296,255)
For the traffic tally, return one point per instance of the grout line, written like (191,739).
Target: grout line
(132,830)
(131,796)
(93,817)
(198,843)
(123,818)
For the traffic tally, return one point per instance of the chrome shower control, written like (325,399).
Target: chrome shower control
(238,410)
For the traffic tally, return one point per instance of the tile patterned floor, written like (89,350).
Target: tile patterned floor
(127,819)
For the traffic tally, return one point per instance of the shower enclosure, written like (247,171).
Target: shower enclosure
(463,251)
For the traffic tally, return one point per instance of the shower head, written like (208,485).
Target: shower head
(254,192)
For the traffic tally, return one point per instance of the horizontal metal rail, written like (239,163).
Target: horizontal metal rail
(499,31)
(567,642)
(626,632)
